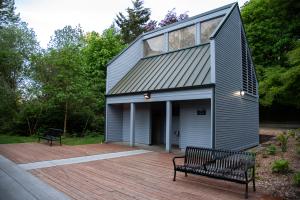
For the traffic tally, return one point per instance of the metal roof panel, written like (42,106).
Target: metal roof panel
(177,69)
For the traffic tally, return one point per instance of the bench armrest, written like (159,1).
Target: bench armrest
(174,163)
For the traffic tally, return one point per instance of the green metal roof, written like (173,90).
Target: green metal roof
(178,69)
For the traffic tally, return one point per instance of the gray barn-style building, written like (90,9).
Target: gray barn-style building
(191,83)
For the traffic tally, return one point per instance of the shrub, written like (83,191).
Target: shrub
(296,178)
(283,139)
(271,149)
(291,133)
(280,166)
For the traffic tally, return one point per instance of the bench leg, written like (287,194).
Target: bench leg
(246,193)
(185,174)
(60,141)
(39,140)
(51,143)
(174,179)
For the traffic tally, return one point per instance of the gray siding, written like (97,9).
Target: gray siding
(114,118)
(195,130)
(236,117)
(142,123)
(126,123)
(119,67)
(175,127)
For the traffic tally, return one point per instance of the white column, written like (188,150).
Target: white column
(132,124)
(168,125)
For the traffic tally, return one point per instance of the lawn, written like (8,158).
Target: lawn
(9,139)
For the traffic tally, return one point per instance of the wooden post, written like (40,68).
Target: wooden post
(168,125)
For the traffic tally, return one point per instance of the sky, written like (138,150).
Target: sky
(46,16)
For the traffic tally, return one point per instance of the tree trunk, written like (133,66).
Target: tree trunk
(86,123)
(66,117)
(36,121)
(29,127)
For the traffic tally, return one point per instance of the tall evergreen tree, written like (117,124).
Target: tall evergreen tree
(133,24)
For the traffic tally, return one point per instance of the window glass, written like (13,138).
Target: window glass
(182,38)
(208,27)
(154,46)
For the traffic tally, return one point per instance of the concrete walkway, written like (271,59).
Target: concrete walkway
(82,159)
(17,184)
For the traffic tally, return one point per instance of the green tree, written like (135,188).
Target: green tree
(7,13)
(272,29)
(60,73)
(132,25)
(98,51)
(18,44)
(272,26)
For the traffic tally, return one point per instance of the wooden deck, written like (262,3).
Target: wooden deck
(33,152)
(146,176)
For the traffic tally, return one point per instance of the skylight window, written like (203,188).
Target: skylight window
(182,38)
(208,27)
(154,46)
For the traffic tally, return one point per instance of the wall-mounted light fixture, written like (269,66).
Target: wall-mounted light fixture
(147,95)
(242,92)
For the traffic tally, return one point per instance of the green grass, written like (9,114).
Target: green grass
(10,139)
(83,140)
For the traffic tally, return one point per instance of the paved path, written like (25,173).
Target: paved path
(82,159)
(17,184)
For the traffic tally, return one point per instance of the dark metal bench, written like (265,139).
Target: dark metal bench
(235,166)
(52,134)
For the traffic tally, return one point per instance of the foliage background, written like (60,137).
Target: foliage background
(63,86)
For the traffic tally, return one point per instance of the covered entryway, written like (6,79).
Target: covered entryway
(173,124)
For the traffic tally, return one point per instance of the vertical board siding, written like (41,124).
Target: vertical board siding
(126,123)
(142,123)
(119,67)
(114,119)
(236,118)
(175,127)
(195,130)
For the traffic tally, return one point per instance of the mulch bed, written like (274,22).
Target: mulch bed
(279,186)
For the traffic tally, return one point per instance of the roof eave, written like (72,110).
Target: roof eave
(210,85)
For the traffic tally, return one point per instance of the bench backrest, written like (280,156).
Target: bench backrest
(220,158)
(55,132)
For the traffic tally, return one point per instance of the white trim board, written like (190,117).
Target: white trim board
(82,159)
(191,94)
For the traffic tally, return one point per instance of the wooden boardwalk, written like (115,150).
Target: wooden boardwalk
(145,177)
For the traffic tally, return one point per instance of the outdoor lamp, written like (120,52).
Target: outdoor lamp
(147,95)
(242,92)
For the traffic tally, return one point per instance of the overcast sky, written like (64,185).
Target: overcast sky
(45,16)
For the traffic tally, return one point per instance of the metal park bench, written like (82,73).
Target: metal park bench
(51,135)
(235,166)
